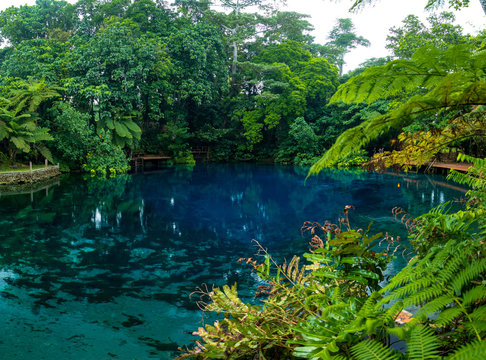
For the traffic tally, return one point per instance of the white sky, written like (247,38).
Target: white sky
(373,22)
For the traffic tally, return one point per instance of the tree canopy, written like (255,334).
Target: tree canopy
(239,77)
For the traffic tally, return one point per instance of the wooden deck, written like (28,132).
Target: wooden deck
(139,158)
(152,157)
(449,166)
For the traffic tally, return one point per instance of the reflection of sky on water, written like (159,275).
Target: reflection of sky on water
(118,258)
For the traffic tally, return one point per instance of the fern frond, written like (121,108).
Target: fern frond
(44,150)
(476,294)
(475,328)
(423,296)
(447,316)
(426,69)
(413,287)
(422,344)
(471,272)
(474,350)
(406,275)
(372,350)
(477,162)
(445,79)
(368,309)
(434,306)
(352,140)
(333,311)
(452,265)
(392,312)
(479,313)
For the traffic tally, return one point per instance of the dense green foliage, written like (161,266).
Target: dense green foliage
(429,4)
(148,77)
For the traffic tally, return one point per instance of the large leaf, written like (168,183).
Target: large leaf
(122,130)
(134,128)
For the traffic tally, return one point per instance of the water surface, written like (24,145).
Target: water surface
(103,269)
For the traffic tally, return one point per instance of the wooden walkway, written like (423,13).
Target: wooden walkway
(449,166)
(139,158)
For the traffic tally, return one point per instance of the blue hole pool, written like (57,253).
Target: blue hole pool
(104,269)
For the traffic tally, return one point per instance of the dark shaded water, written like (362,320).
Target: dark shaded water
(103,269)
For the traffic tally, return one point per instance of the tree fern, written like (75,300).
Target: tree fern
(456,296)
(31,94)
(450,79)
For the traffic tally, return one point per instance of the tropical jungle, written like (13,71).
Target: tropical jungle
(89,84)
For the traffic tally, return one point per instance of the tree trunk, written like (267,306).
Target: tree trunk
(235,57)
(12,154)
(341,64)
(235,48)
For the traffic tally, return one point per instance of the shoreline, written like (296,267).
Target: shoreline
(23,177)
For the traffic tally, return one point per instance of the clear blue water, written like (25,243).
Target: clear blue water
(103,269)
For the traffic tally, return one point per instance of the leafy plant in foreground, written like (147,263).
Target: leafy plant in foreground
(335,307)
(295,293)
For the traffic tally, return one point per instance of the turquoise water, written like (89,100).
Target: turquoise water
(104,269)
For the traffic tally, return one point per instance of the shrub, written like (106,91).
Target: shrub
(105,157)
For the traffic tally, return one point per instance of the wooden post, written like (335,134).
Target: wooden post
(30,164)
(45,162)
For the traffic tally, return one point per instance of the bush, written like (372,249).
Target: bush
(356,159)
(105,157)
(184,157)
(73,136)
(305,160)
(301,146)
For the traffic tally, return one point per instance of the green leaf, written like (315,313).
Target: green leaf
(372,350)
(121,130)
(475,350)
